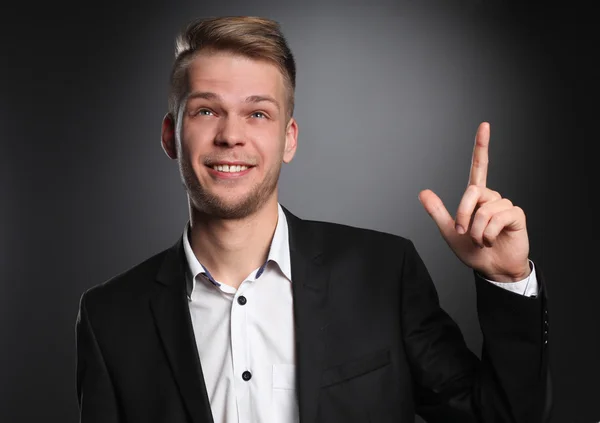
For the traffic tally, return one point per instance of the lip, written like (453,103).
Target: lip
(233,163)
(228,175)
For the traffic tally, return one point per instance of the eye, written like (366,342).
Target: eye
(259,115)
(204,112)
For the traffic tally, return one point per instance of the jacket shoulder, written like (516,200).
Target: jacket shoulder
(127,283)
(343,237)
(354,232)
(340,235)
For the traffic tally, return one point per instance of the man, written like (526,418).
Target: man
(255,315)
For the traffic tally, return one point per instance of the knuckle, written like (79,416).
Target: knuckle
(480,162)
(489,234)
(475,234)
(461,214)
(473,190)
(495,220)
(484,213)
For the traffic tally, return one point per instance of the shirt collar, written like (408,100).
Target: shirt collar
(279,252)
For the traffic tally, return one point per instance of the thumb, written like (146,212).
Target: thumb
(436,209)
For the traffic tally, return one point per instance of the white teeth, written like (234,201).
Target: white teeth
(230,169)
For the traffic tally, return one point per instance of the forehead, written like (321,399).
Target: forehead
(233,75)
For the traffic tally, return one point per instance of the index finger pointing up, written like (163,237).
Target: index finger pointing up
(479,163)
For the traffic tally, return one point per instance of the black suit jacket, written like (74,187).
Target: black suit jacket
(372,343)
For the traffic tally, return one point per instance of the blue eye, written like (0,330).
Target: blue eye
(204,112)
(262,115)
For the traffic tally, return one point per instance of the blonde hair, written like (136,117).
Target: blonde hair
(253,37)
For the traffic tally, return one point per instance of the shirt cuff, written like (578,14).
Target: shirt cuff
(527,287)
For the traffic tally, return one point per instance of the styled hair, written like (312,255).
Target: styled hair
(252,37)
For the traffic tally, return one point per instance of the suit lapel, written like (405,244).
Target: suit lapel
(172,318)
(309,287)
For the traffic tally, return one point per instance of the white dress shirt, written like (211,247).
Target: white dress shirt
(245,337)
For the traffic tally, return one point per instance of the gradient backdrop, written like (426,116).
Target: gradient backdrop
(389,95)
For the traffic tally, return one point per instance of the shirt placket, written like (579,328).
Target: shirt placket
(240,354)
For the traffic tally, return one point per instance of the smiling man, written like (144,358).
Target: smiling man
(255,315)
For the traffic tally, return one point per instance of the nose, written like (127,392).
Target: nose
(230,133)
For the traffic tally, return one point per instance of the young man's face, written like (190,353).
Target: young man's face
(234,134)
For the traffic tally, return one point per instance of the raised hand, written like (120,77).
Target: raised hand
(489,233)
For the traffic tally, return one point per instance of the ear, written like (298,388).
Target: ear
(168,136)
(291,140)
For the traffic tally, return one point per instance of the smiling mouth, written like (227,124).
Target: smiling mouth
(230,168)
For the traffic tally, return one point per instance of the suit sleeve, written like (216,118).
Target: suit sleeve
(510,384)
(95,393)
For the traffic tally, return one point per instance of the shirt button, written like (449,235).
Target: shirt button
(242,300)
(246,375)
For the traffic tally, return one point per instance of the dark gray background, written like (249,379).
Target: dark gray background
(389,95)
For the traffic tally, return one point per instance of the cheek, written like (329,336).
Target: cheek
(272,151)
(194,139)
(277,136)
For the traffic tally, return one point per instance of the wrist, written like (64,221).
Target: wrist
(509,277)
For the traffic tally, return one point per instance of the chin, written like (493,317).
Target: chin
(228,208)
(229,202)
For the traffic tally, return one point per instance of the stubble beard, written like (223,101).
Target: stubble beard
(215,206)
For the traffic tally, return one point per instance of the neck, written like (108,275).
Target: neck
(232,248)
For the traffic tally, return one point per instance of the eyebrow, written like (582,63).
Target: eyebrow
(250,99)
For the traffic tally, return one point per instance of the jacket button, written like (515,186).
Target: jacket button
(246,375)
(242,300)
